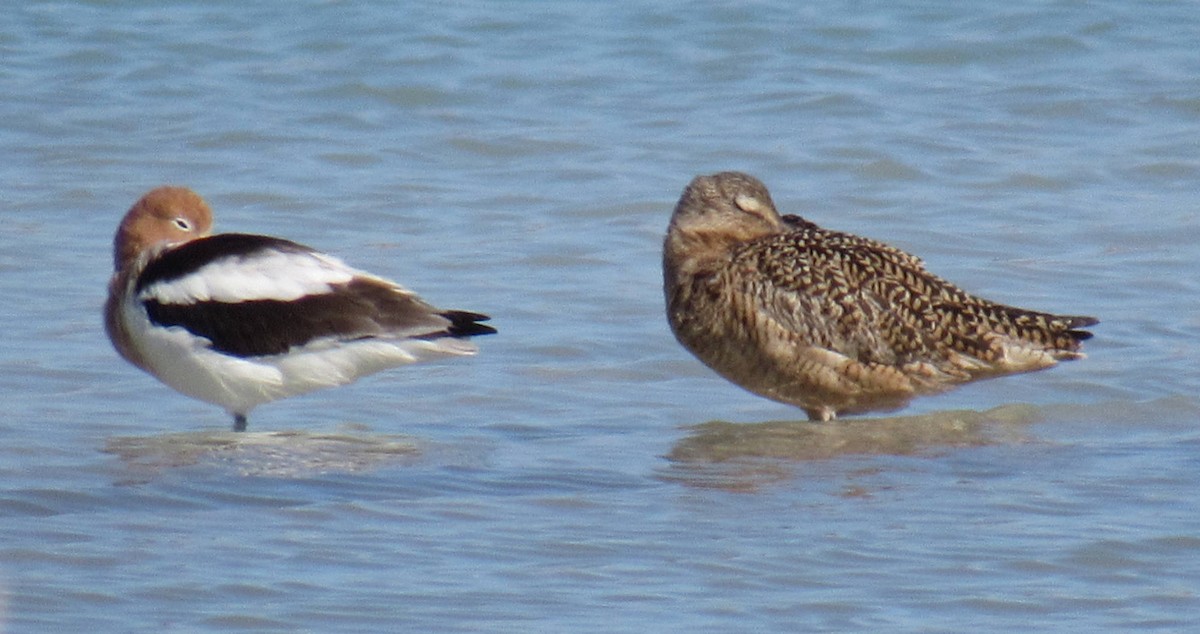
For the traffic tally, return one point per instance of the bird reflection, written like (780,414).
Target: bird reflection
(740,456)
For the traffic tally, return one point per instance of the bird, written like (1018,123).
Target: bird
(238,320)
(830,322)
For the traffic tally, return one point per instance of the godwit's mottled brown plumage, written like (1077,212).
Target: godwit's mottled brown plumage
(828,321)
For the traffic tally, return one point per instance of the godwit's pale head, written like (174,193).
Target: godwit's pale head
(165,216)
(728,207)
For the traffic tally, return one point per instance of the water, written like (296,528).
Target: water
(522,159)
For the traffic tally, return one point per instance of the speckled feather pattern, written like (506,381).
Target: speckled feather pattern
(829,321)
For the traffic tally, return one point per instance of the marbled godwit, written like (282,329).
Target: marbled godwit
(831,322)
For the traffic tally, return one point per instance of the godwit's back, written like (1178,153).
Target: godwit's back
(828,321)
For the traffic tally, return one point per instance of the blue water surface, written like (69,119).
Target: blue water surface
(521,159)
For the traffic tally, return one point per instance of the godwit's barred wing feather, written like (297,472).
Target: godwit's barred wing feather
(877,304)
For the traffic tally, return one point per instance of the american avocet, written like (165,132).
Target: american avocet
(831,322)
(239,320)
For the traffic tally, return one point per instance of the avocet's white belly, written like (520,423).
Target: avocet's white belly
(186,363)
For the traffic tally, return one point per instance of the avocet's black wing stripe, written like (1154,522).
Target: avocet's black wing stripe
(362,309)
(191,257)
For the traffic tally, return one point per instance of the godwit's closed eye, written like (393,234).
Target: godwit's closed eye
(831,322)
(239,320)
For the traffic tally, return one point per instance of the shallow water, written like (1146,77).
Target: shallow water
(583,473)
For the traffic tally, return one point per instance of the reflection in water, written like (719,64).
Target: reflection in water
(741,456)
(280,453)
